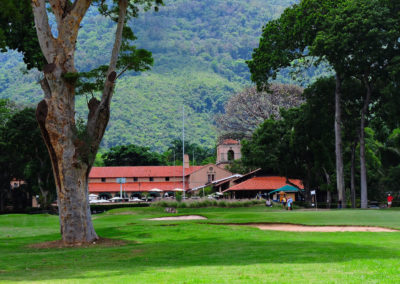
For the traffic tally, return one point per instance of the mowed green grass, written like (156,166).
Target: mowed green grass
(202,252)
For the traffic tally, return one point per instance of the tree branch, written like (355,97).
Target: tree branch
(98,120)
(57,6)
(80,7)
(46,88)
(43,30)
(122,72)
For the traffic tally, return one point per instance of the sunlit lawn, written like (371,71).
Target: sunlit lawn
(201,252)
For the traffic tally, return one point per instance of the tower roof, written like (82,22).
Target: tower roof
(230,142)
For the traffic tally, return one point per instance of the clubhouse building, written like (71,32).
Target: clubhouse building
(139,179)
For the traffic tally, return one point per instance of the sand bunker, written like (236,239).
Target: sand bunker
(177,218)
(303,228)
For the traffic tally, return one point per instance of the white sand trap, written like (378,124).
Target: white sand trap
(302,228)
(177,218)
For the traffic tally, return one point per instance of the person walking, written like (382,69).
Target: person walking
(290,203)
(268,203)
(284,200)
(389,200)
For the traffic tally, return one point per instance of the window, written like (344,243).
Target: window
(167,179)
(135,179)
(103,179)
(151,179)
(211,177)
(231,155)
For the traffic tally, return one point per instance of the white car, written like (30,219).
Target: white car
(135,199)
(118,199)
(95,201)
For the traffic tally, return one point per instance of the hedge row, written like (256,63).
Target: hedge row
(104,207)
(208,203)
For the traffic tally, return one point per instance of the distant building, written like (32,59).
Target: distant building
(258,182)
(264,185)
(146,178)
(228,151)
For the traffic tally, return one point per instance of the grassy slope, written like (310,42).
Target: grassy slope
(194,252)
(199,47)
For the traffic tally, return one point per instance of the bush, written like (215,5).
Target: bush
(178,196)
(96,208)
(202,203)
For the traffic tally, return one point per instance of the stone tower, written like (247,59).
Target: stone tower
(227,151)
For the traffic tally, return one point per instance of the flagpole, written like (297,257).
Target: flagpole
(183,149)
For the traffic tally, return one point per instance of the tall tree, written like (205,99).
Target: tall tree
(247,109)
(72,150)
(361,40)
(6,111)
(28,156)
(358,38)
(288,39)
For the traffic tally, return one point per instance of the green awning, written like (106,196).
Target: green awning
(286,188)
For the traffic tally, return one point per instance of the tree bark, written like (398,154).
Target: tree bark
(56,120)
(363,165)
(72,155)
(352,175)
(2,199)
(328,192)
(338,144)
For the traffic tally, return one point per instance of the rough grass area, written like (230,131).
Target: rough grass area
(196,251)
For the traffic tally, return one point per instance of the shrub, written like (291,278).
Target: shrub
(178,196)
(201,203)
(96,208)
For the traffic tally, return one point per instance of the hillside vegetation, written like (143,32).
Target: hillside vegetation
(199,47)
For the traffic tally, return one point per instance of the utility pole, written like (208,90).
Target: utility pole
(183,149)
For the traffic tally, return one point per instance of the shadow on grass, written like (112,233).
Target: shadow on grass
(229,248)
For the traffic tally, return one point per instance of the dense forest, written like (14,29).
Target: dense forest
(199,49)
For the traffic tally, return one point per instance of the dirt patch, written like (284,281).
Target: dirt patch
(102,242)
(305,228)
(137,251)
(178,218)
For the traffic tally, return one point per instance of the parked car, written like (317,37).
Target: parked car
(95,201)
(373,205)
(119,199)
(134,199)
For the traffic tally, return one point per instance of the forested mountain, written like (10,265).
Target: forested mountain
(199,48)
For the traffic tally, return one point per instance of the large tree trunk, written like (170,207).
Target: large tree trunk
(72,154)
(328,192)
(4,189)
(352,175)
(2,199)
(338,144)
(70,167)
(363,165)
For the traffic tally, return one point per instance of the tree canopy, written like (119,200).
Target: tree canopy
(245,110)
(131,155)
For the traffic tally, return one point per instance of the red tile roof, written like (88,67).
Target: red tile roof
(230,142)
(141,171)
(264,183)
(134,186)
